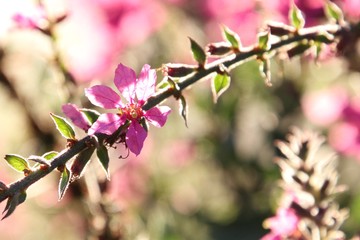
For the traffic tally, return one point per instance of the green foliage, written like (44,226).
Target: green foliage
(90,114)
(103,155)
(198,52)
(296,17)
(232,37)
(333,12)
(50,155)
(183,109)
(64,182)
(219,84)
(63,126)
(17,162)
(263,40)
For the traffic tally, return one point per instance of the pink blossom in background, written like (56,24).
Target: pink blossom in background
(351,8)
(282,225)
(333,108)
(324,107)
(239,16)
(136,91)
(345,135)
(97,31)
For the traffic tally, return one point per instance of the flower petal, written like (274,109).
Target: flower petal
(135,137)
(107,123)
(77,117)
(157,115)
(145,85)
(125,80)
(103,96)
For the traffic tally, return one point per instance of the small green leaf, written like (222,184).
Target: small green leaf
(183,109)
(333,12)
(90,114)
(219,84)
(232,37)
(64,182)
(265,71)
(81,161)
(104,159)
(17,162)
(198,52)
(263,40)
(63,126)
(50,155)
(296,17)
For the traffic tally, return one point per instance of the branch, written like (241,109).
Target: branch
(229,62)
(35,176)
(237,59)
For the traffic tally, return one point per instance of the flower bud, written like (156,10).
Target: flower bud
(280,29)
(176,70)
(218,49)
(297,50)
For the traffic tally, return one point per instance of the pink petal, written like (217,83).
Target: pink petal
(107,123)
(145,85)
(125,80)
(103,96)
(135,137)
(157,115)
(77,117)
(24,21)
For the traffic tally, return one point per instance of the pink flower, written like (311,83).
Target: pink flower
(326,106)
(282,225)
(76,116)
(136,91)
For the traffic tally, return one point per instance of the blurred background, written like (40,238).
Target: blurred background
(215,179)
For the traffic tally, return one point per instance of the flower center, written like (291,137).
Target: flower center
(132,111)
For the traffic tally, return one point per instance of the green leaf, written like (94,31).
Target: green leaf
(50,155)
(63,126)
(183,109)
(265,71)
(232,37)
(17,162)
(198,52)
(81,161)
(64,182)
(296,17)
(219,84)
(333,12)
(263,40)
(104,159)
(90,114)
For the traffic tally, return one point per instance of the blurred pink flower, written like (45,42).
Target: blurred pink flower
(97,31)
(324,107)
(345,135)
(282,225)
(31,18)
(351,8)
(136,91)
